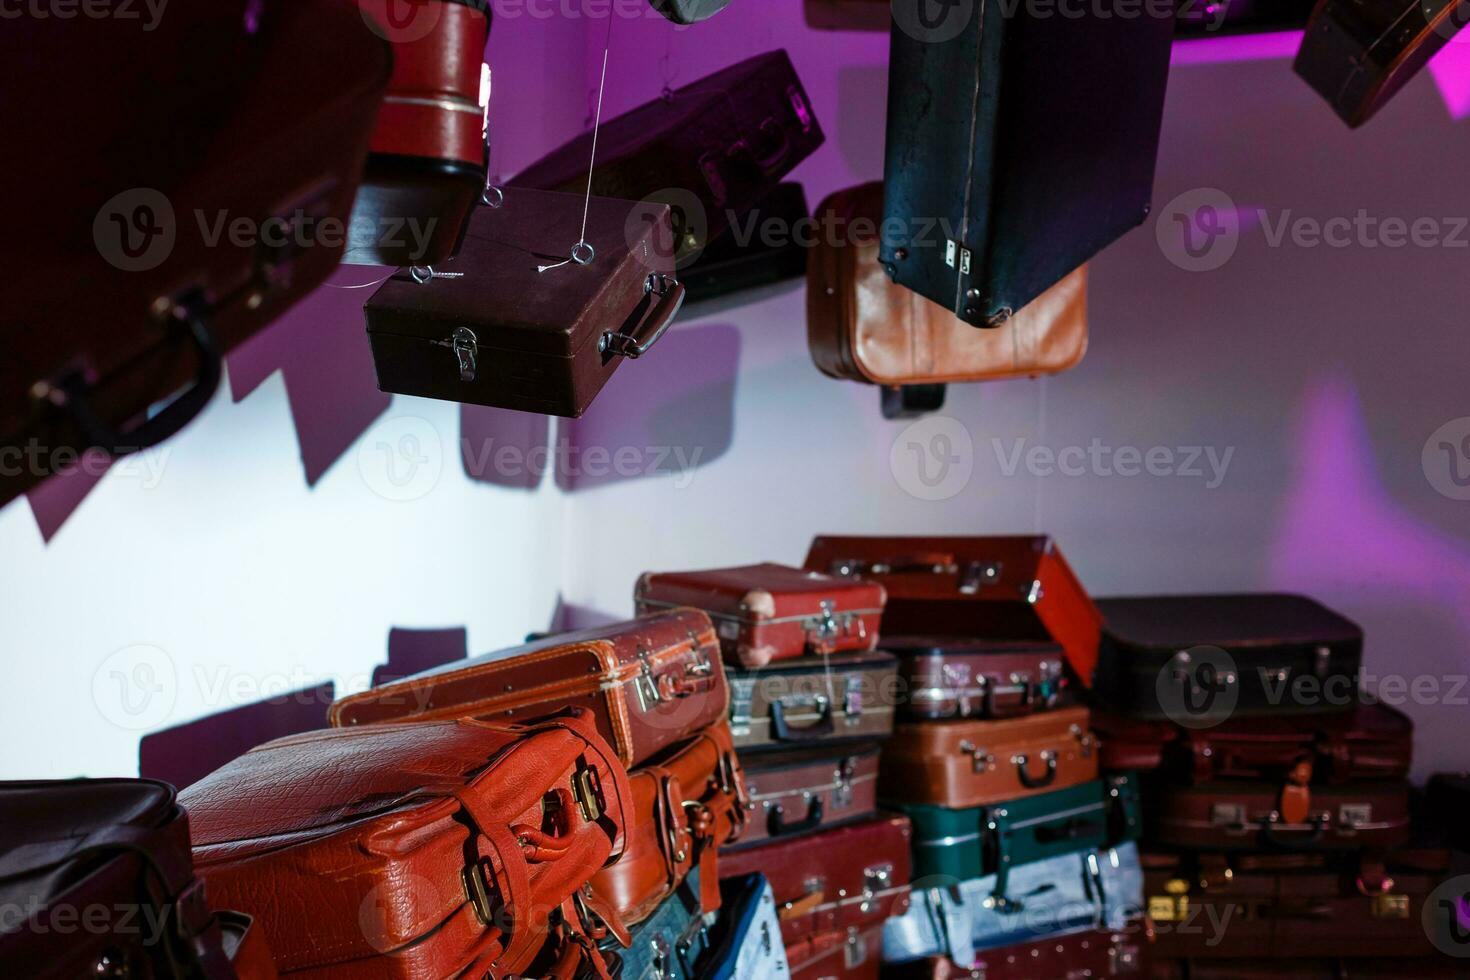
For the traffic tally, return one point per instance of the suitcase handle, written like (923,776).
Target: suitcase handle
(778,827)
(670,293)
(823,727)
(1272,834)
(70,395)
(1022,760)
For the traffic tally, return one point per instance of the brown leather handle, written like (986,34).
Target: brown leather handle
(670,293)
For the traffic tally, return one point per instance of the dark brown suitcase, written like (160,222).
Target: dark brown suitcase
(727,139)
(947,677)
(1231,816)
(207,191)
(771,612)
(833,893)
(963,764)
(498,332)
(999,588)
(1092,953)
(651,683)
(844,698)
(807,790)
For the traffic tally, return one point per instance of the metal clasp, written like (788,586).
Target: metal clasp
(466,347)
(979,574)
(647,684)
(852,699)
(980,759)
(842,790)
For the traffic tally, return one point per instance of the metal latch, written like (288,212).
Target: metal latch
(466,348)
(979,574)
(855,953)
(647,684)
(852,699)
(875,882)
(587,791)
(663,960)
(1355,814)
(980,759)
(477,890)
(842,790)
(825,626)
(1228,815)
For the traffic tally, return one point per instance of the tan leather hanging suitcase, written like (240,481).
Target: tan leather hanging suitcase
(863,326)
(650,683)
(962,764)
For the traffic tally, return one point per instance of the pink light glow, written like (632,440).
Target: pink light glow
(1451,71)
(1237,47)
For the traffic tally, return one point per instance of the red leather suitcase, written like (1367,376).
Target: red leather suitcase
(172,211)
(809,790)
(833,893)
(1252,815)
(650,683)
(999,588)
(771,612)
(946,677)
(1093,953)
(406,852)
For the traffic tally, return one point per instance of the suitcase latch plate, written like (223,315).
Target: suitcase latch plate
(855,953)
(979,574)
(1355,815)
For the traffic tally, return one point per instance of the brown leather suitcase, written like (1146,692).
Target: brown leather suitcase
(90,868)
(947,677)
(771,612)
(963,764)
(1091,953)
(502,332)
(999,588)
(862,326)
(844,698)
(686,805)
(808,790)
(398,851)
(1242,815)
(650,683)
(207,191)
(833,893)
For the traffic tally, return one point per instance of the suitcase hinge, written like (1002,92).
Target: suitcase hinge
(981,760)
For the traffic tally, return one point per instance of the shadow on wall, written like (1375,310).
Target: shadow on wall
(504,448)
(415,651)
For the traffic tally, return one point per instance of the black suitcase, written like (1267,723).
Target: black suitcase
(1199,660)
(1019,146)
(722,143)
(762,249)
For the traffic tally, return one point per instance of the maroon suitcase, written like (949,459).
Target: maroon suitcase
(650,683)
(1255,815)
(1409,968)
(809,790)
(772,612)
(1088,954)
(172,211)
(946,677)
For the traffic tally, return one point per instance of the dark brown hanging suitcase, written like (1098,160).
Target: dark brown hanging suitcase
(844,698)
(515,324)
(808,790)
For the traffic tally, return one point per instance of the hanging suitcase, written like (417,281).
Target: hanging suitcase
(764,247)
(1211,657)
(833,892)
(650,683)
(771,612)
(1042,157)
(427,166)
(999,588)
(951,677)
(1086,953)
(745,943)
(673,944)
(862,326)
(1359,55)
(963,764)
(90,869)
(807,790)
(206,193)
(844,698)
(687,804)
(1251,816)
(503,333)
(410,851)
(727,139)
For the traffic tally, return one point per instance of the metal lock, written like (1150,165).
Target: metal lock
(1391,906)
(875,882)
(466,347)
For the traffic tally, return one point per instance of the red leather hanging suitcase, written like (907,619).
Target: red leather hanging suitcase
(1000,588)
(948,677)
(650,683)
(171,211)
(771,612)
(427,166)
(399,852)
(1251,815)
(807,790)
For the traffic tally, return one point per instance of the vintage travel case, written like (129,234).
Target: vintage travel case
(844,698)
(1251,816)
(862,326)
(745,944)
(728,139)
(650,683)
(674,943)
(427,166)
(686,804)
(201,199)
(771,612)
(951,677)
(807,790)
(1041,154)
(764,247)
(499,332)
(410,851)
(1274,646)
(963,764)
(120,846)
(999,588)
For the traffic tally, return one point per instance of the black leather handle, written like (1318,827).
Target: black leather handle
(1036,782)
(777,826)
(823,727)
